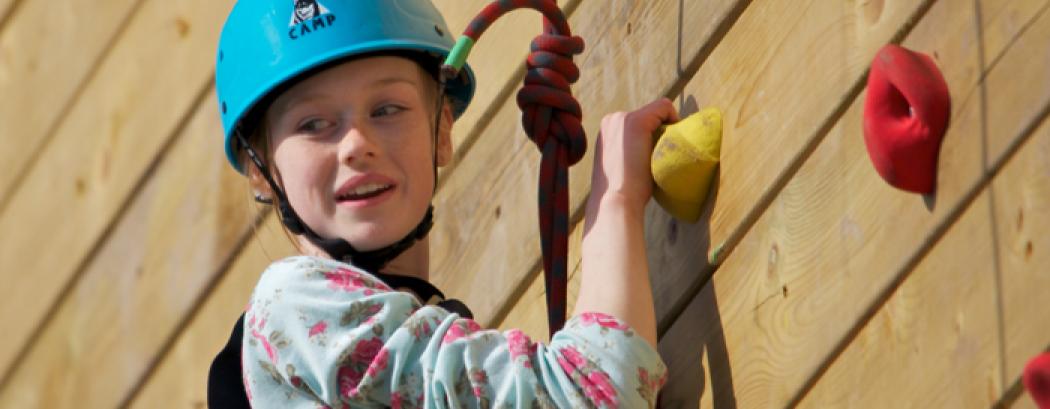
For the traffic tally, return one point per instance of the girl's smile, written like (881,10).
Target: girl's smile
(365,190)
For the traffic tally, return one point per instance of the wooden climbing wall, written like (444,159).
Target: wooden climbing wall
(129,247)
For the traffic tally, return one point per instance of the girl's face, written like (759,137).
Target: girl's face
(352,149)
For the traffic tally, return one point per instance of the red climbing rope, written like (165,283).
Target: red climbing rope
(551,117)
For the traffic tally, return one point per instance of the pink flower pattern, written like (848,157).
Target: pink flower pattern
(366,350)
(461,328)
(349,378)
(247,385)
(270,352)
(318,328)
(349,280)
(379,363)
(595,382)
(520,346)
(287,335)
(368,358)
(649,385)
(604,320)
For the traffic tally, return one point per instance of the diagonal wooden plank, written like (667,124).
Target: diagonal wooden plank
(633,55)
(6,6)
(48,50)
(180,378)
(837,240)
(970,309)
(7,9)
(133,107)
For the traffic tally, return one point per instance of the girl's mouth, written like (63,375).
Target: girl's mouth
(366,195)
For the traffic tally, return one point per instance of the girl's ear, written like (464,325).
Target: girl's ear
(444,151)
(260,188)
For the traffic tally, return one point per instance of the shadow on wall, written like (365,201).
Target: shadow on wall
(677,256)
(686,347)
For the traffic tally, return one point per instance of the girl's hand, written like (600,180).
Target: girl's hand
(623,151)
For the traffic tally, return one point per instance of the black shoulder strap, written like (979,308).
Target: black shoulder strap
(225,383)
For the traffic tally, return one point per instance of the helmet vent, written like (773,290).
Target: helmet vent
(439,31)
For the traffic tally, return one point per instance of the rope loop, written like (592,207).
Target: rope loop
(552,118)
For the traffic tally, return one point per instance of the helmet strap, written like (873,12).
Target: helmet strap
(440,106)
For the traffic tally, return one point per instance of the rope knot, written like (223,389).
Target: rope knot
(548,107)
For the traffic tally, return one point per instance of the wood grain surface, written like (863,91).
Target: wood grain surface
(973,308)
(99,155)
(837,240)
(178,235)
(782,76)
(48,51)
(180,378)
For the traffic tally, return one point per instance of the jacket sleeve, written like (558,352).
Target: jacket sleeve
(323,334)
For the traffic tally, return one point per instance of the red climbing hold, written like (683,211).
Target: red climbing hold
(1037,379)
(905,116)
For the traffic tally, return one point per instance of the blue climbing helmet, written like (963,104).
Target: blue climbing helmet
(268,44)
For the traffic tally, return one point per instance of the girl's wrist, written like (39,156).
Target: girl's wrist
(614,202)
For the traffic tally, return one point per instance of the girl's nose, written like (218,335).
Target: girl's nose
(356,146)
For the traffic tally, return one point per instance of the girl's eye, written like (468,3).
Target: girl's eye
(387,110)
(314,125)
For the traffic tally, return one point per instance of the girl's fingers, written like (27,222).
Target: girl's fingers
(665,110)
(654,114)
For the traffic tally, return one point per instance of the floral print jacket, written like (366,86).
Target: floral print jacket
(319,333)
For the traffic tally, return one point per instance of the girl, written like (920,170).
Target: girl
(340,123)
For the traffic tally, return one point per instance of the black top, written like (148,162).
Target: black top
(225,383)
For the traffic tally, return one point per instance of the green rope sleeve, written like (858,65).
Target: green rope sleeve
(459,53)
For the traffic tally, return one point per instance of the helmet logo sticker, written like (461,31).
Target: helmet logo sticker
(309,16)
(306,10)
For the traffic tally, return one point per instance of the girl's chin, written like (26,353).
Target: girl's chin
(367,236)
(375,228)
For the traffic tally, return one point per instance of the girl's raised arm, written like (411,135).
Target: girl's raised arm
(615,277)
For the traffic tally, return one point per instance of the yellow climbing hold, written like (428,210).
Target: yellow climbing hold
(684,162)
